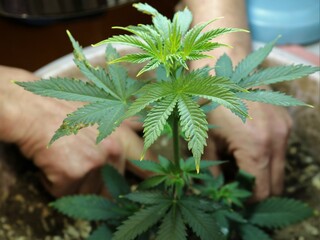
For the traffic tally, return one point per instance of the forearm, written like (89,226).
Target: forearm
(234,15)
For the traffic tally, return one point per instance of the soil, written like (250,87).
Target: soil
(25,215)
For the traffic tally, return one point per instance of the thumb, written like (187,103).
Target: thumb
(133,149)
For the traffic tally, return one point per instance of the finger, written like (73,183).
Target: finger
(279,153)
(134,123)
(58,188)
(277,173)
(278,162)
(133,148)
(259,167)
(210,153)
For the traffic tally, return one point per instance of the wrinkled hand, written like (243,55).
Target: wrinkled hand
(258,146)
(70,165)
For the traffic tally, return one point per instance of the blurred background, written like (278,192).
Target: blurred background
(32,32)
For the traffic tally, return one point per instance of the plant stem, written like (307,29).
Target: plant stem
(176,138)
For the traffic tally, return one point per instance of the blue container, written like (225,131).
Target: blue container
(297,21)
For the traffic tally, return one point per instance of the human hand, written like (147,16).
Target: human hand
(70,165)
(258,146)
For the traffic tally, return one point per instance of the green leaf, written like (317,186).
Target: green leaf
(152,32)
(210,163)
(223,67)
(247,65)
(250,232)
(67,89)
(97,75)
(147,197)
(200,222)
(222,221)
(94,112)
(240,193)
(152,182)
(128,40)
(188,165)
(206,47)
(234,216)
(150,93)
(196,56)
(146,8)
(88,207)
(101,233)
(140,31)
(111,54)
(243,113)
(232,194)
(191,37)
(115,82)
(77,49)
(161,74)
(156,120)
(194,125)
(202,204)
(149,166)
(166,164)
(172,226)
(271,97)
(272,75)
(116,183)
(206,37)
(173,46)
(218,181)
(153,64)
(110,121)
(134,58)
(183,20)
(163,25)
(215,89)
(119,80)
(106,114)
(104,110)
(278,212)
(140,221)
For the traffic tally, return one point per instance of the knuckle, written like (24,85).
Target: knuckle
(252,160)
(282,131)
(262,138)
(66,173)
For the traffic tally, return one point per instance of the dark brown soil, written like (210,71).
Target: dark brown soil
(303,183)
(24,210)
(25,215)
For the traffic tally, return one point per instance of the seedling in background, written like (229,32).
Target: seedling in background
(172,204)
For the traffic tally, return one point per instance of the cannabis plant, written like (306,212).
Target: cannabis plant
(178,201)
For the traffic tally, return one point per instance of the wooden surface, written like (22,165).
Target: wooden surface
(32,46)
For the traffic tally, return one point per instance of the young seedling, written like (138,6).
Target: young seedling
(172,204)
